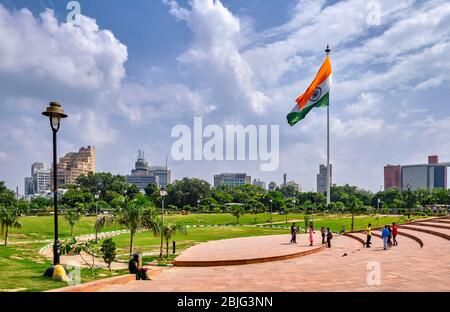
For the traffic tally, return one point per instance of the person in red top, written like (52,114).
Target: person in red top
(394,233)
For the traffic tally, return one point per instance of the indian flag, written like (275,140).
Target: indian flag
(317,94)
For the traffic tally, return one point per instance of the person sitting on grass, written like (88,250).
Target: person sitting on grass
(135,267)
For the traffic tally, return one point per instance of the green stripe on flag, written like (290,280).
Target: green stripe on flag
(294,117)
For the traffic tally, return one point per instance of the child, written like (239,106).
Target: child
(329,237)
(369,235)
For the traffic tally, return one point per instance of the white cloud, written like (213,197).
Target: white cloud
(43,54)
(367,104)
(215,58)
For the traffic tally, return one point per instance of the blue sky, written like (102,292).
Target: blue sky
(130,72)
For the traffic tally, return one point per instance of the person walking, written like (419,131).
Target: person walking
(329,237)
(324,233)
(394,233)
(294,234)
(385,237)
(390,236)
(369,235)
(311,232)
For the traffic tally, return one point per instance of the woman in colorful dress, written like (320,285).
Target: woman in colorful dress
(311,232)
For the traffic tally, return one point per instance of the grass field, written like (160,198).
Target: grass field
(21,266)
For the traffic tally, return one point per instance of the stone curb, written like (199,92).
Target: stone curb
(245,261)
(98,284)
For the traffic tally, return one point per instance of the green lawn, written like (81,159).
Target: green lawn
(22,268)
(41,228)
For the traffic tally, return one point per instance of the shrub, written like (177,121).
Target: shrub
(109,251)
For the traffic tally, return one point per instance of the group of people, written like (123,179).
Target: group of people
(327,236)
(388,234)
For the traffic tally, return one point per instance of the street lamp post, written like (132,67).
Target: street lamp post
(163,194)
(409,199)
(55,113)
(271,213)
(97,196)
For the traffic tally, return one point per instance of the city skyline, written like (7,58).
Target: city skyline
(143,83)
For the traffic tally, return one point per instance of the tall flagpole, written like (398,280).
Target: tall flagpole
(328,144)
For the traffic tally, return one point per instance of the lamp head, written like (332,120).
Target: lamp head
(55,113)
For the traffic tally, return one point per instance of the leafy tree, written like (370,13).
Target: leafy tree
(9,218)
(72,216)
(72,246)
(288,191)
(103,182)
(75,196)
(40,203)
(132,191)
(109,251)
(152,192)
(187,192)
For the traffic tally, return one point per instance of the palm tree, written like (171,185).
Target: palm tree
(101,222)
(169,230)
(354,203)
(137,214)
(9,218)
(72,217)
(236,210)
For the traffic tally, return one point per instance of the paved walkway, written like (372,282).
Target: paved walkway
(344,267)
(245,248)
(77,260)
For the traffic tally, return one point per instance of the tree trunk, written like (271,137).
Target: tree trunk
(167,248)
(71,230)
(6,235)
(353,220)
(131,242)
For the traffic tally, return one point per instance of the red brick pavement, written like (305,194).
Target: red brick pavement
(406,267)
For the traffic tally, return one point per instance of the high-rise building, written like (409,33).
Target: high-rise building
(392,177)
(284,179)
(164,175)
(272,186)
(42,180)
(322,178)
(259,183)
(141,175)
(421,176)
(28,187)
(232,179)
(37,166)
(72,165)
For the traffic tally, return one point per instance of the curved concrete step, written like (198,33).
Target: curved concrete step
(442,233)
(434,225)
